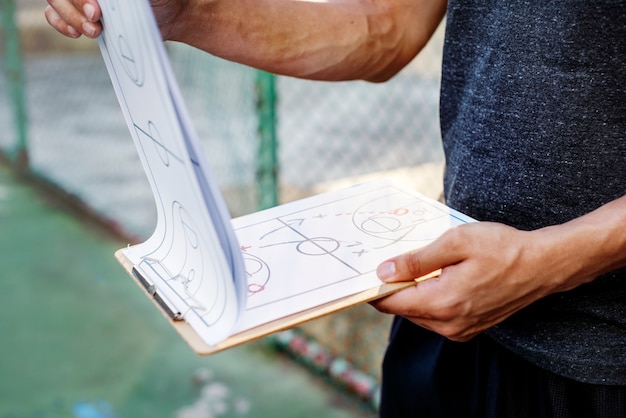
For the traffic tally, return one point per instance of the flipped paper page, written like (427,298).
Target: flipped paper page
(192,258)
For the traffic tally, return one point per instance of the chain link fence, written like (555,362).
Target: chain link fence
(329,134)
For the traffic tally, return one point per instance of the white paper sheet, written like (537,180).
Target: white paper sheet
(193,261)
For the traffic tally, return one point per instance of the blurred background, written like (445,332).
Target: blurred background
(78,338)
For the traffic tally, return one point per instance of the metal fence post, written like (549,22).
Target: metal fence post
(15,75)
(267,168)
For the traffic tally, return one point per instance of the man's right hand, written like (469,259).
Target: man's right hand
(74,18)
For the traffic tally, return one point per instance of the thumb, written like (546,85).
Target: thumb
(420,264)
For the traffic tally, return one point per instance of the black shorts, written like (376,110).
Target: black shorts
(426,375)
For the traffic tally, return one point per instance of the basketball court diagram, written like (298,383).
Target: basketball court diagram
(341,238)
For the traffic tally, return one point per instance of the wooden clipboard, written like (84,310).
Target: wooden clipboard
(202,348)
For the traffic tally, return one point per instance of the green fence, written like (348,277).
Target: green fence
(13,85)
(268,139)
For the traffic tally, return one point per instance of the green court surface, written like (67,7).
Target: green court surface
(79,339)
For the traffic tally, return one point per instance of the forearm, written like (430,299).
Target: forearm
(584,248)
(335,40)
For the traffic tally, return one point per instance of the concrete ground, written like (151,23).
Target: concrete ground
(80,340)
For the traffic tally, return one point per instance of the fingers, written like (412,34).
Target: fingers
(449,322)
(484,279)
(59,24)
(430,299)
(434,305)
(408,266)
(74,18)
(424,305)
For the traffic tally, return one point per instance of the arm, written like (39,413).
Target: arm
(325,40)
(490,271)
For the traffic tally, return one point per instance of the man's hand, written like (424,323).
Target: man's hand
(489,271)
(74,18)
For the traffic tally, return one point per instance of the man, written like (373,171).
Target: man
(528,316)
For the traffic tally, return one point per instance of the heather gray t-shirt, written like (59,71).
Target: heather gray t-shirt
(533,119)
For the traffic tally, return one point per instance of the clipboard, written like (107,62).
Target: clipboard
(200,347)
(222,282)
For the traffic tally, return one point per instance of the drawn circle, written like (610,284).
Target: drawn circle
(192,289)
(255,288)
(193,284)
(190,277)
(318,246)
(400,211)
(130,61)
(380,225)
